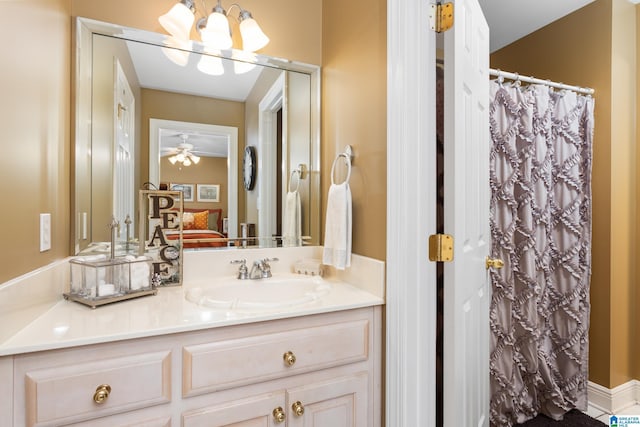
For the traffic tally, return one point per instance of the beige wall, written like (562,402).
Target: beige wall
(37,106)
(188,108)
(354,99)
(636,349)
(210,170)
(595,47)
(35,117)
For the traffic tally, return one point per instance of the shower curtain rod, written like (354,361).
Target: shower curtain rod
(516,76)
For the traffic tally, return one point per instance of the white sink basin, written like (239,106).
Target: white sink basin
(260,295)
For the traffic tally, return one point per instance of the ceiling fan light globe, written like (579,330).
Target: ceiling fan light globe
(195,159)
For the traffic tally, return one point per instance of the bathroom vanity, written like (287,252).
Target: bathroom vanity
(166,361)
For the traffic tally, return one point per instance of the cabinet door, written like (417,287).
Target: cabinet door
(259,411)
(341,402)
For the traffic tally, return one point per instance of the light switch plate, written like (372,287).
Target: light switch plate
(45,232)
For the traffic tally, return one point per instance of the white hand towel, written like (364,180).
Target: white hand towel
(292,222)
(337,235)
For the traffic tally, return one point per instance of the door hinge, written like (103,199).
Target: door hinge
(440,248)
(441,17)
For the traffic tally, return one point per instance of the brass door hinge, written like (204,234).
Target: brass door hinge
(440,248)
(441,17)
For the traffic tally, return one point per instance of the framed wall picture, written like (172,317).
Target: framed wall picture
(208,193)
(186,189)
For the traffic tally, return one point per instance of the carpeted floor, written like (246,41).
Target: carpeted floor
(572,418)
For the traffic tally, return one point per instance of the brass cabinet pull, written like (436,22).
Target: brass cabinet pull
(102,393)
(278,414)
(289,358)
(496,263)
(298,409)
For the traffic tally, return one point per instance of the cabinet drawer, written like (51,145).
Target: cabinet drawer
(230,363)
(66,394)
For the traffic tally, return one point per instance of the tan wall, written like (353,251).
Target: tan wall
(35,121)
(636,349)
(595,47)
(210,170)
(36,105)
(354,99)
(624,328)
(188,108)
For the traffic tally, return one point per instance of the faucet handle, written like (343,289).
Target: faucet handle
(243,272)
(265,267)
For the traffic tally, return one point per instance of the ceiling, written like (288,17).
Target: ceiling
(510,20)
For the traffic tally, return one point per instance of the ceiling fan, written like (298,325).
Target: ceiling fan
(183,153)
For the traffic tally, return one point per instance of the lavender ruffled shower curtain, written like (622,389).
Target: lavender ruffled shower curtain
(541,227)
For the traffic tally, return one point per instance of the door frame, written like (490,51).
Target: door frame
(268,107)
(411,208)
(232,159)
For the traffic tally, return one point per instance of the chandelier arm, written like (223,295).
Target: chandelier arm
(239,7)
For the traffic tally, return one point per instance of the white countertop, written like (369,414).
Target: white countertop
(67,324)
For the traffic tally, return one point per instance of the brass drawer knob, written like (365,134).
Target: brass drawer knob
(102,393)
(289,358)
(298,409)
(278,414)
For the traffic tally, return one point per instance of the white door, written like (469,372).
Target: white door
(274,100)
(124,155)
(466,212)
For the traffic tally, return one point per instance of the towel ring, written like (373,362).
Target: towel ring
(294,172)
(347,158)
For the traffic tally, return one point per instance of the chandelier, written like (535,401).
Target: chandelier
(214,29)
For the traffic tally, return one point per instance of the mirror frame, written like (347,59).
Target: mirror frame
(84,29)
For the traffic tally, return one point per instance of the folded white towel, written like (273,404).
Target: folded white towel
(337,235)
(292,221)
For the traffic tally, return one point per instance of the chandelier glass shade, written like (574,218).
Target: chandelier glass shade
(214,29)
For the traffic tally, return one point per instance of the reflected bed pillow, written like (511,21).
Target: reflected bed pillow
(188,221)
(213,220)
(201,220)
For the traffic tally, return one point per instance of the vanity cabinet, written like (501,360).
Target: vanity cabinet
(339,402)
(315,370)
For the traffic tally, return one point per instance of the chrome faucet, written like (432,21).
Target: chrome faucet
(261,269)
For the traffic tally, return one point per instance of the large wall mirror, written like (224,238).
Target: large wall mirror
(155,112)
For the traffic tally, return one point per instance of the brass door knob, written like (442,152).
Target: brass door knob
(289,358)
(496,263)
(278,414)
(102,393)
(297,408)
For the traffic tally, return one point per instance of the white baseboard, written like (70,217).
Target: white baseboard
(614,400)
